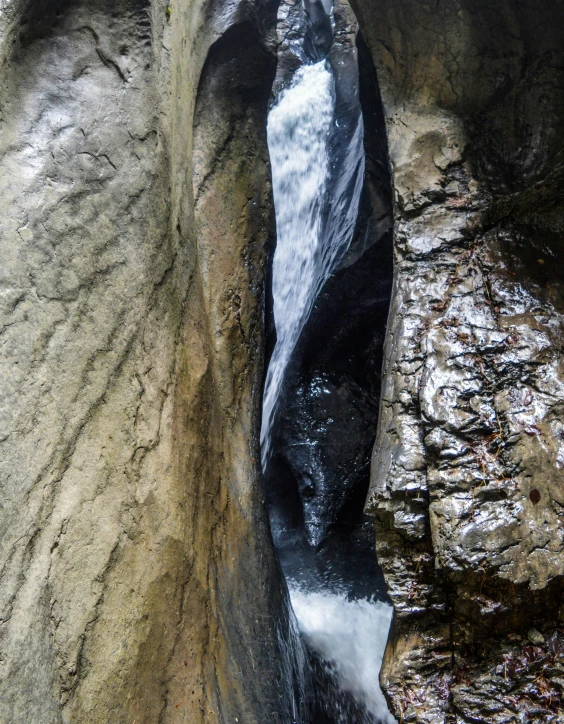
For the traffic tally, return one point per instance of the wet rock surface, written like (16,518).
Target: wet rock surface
(320,437)
(467,482)
(137,579)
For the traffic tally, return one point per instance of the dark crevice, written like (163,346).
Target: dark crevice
(318,471)
(331,394)
(318,31)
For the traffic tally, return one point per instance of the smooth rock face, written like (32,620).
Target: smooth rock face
(467,474)
(137,581)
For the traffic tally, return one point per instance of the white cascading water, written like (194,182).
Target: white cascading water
(313,233)
(298,129)
(350,636)
(307,249)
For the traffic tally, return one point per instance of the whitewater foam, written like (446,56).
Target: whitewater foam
(351,637)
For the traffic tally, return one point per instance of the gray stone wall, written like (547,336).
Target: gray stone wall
(467,480)
(137,581)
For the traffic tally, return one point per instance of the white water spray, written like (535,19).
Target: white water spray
(350,636)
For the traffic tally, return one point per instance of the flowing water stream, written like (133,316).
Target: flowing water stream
(316,197)
(298,129)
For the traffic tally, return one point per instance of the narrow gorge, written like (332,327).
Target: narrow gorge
(282,375)
(328,247)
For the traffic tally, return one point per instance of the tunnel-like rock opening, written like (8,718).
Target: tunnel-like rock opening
(322,437)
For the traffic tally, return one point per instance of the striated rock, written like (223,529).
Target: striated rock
(137,577)
(137,580)
(467,482)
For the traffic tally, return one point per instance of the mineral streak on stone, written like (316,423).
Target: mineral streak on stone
(467,480)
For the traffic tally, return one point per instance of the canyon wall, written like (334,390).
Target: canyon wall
(467,473)
(137,579)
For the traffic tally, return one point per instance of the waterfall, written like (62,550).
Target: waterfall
(317,159)
(298,129)
(350,637)
(313,232)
